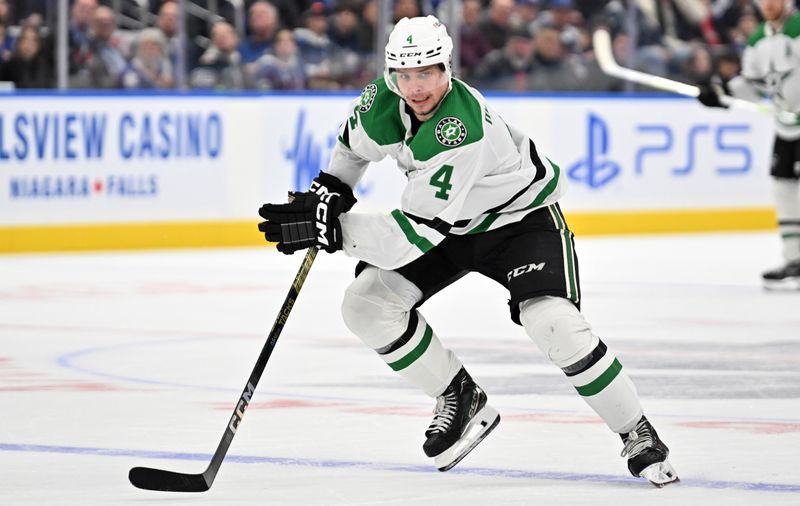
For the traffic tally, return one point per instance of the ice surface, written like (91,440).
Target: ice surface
(109,361)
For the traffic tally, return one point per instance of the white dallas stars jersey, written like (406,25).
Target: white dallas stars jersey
(771,68)
(468,172)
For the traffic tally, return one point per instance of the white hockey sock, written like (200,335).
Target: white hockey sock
(787,203)
(602,383)
(419,357)
(564,335)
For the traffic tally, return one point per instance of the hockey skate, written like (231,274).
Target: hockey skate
(786,277)
(647,455)
(461,420)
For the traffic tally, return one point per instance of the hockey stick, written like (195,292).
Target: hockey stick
(159,479)
(601,41)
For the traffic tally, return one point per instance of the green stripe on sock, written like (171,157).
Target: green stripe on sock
(416,352)
(605,379)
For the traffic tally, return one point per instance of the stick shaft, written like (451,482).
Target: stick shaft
(158,479)
(601,41)
(261,363)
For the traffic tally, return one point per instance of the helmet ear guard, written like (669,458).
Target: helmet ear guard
(417,42)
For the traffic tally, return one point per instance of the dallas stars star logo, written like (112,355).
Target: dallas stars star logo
(367,97)
(450,131)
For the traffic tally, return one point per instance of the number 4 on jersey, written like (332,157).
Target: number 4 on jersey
(441,180)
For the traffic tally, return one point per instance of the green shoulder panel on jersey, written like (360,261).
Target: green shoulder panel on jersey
(792,26)
(759,33)
(379,113)
(458,122)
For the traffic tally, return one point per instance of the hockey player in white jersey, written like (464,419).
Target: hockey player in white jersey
(771,68)
(480,197)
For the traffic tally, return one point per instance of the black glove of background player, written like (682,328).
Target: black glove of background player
(710,96)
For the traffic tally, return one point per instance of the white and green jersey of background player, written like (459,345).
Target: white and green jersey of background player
(468,172)
(771,69)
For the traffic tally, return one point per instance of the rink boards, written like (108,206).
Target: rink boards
(118,171)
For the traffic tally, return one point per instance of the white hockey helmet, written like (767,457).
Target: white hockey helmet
(417,42)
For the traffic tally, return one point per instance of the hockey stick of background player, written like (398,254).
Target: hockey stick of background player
(604,53)
(159,479)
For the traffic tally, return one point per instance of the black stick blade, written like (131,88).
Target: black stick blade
(167,481)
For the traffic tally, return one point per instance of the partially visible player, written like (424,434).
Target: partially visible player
(771,68)
(481,197)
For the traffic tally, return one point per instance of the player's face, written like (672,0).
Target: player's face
(772,9)
(422,88)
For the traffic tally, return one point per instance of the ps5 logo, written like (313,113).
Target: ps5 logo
(595,170)
(679,149)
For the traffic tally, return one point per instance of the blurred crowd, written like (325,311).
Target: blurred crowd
(525,45)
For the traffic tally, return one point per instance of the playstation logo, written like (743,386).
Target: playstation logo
(595,170)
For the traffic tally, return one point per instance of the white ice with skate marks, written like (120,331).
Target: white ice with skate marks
(119,360)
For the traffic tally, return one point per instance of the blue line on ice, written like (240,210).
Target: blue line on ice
(406,468)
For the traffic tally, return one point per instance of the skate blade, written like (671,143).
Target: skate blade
(660,474)
(784,285)
(479,427)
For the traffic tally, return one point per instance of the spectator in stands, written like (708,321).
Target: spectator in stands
(474,43)
(263,22)
(80,24)
(281,68)
(679,21)
(290,11)
(497,22)
(343,26)
(6,43)
(220,66)
(22,10)
(596,79)
(28,67)
(316,48)
(728,66)
(35,20)
(650,54)
(563,15)
(554,69)
(405,9)
(366,27)
(150,68)
(78,37)
(745,26)
(590,10)
(508,68)
(700,66)
(526,12)
(727,15)
(167,23)
(107,61)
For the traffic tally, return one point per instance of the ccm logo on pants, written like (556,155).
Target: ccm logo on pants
(525,269)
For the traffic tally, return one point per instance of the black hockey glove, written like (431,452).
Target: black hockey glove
(310,218)
(326,183)
(307,220)
(710,96)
